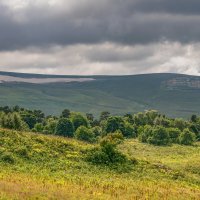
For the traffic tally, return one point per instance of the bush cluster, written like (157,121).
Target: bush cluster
(107,153)
(159,135)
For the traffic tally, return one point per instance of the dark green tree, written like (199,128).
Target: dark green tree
(65,113)
(90,117)
(64,128)
(129,131)
(194,118)
(113,124)
(29,118)
(104,115)
(6,109)
(79,120)
(128,117)
(91,120)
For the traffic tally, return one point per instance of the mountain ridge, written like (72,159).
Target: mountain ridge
(97,75)
(116,94)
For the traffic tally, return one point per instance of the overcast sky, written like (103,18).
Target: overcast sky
(100,37)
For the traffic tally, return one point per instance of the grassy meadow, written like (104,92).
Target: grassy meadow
(34,166)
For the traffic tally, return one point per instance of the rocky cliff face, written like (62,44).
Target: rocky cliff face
(183,82)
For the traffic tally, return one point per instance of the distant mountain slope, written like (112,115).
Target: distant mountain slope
(174,94)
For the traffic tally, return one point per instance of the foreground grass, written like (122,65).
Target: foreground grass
(35,166)
(28,187)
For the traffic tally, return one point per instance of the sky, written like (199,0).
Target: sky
(88,37)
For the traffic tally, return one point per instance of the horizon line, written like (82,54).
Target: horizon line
(42,74)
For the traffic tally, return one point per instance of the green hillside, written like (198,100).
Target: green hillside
(173,94)
(34,166)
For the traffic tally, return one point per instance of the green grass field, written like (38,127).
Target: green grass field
(34,166)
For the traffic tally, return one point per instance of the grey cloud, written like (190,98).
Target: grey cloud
(110,53)
(98,59)
(91,22)
(100,37)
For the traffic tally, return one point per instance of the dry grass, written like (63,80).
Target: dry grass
(54,169)
(26,187)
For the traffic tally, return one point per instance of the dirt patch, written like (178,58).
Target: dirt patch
(4,79)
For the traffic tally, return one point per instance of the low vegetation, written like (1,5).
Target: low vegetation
(75,156)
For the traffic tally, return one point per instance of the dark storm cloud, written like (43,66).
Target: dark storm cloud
(90,22)
(167,6)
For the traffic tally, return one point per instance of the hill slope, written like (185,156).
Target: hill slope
(174,94)
(34,166)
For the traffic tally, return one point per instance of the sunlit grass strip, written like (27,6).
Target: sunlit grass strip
(21,186)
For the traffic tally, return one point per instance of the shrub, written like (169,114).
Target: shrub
(144,133)
(84,134)
(38,128)
(97,130)
(159,136)
(106,154)
(8,158)
(114,138)
(187,137)
(13,121)
(174,134)
(22,152)
(50,126)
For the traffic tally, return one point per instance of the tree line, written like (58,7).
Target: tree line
(149,126)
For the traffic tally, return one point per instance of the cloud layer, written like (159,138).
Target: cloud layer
(100,37)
